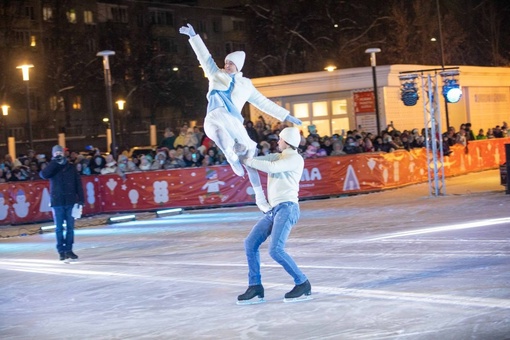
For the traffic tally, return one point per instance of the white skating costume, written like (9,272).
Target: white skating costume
(227,94)
(225,115)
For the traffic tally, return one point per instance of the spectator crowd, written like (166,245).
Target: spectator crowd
(190,147)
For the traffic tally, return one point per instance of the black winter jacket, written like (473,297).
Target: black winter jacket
(65,184)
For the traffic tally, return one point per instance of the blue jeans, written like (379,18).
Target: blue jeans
(278,223)
(61,214)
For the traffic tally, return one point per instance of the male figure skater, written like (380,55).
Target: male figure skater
(284,172)
(65,191)
(228,92)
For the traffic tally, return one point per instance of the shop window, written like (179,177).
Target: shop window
(339,107)
(322,127)
(320,109)
(301,110)
(340,125)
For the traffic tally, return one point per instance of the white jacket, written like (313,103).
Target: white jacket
(243,92)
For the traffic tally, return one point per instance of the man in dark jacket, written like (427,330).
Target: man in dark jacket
(65,190)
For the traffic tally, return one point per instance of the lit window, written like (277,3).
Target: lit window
(340,125)
(300,110)
(88,17)
(47,13)
(339,107)
(77,103)
(322,127)
(33,41)
(53,103)
(71,16)
(320,109)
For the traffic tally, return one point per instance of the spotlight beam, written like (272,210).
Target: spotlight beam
(468,225)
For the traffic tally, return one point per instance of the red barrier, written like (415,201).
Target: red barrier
(28,202)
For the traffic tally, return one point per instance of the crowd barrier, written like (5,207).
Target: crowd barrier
(28,202)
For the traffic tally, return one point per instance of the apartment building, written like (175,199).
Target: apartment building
(153,70)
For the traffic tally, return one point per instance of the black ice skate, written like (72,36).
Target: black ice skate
(71,256)
(253,295)
(300,292)
(62,256)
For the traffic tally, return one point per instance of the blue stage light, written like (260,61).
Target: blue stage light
(451,89)
(409,90)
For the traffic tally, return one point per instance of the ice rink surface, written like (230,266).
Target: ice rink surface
(398,264)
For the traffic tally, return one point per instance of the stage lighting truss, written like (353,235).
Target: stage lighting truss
(451,88)
(409,89)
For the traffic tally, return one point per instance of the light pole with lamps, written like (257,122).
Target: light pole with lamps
(10,143)
(26,77)
(5,113)
(120,104)
(108,84)
(372,52)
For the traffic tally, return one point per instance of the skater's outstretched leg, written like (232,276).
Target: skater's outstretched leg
(226,144)
(253,175)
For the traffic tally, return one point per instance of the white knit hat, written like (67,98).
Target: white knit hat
(237,58)
(291,135)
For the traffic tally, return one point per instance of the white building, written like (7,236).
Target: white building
(343,99)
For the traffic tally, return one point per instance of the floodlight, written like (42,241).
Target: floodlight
(409,90)
(120,219)
(451,88)
(50,227)
(174,211)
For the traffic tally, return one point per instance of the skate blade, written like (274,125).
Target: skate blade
(298,299)
(69,261)
(250,302)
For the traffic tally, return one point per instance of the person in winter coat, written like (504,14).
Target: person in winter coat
(65,191)
(227,94)
(97,163)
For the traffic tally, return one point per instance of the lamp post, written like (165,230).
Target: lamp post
(26,77)
(372,52)
(108,133)
(442,59)
(108,85)
(5,112)
(120,104)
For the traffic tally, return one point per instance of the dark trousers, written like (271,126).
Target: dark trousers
(61,214)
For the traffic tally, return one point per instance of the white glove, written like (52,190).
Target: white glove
(77,210)
(293,120)
(189,31)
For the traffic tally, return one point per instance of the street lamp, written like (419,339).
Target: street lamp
(372,52)
(330,68)
(108,84)
(5,112)
(25,71)
(120,104)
